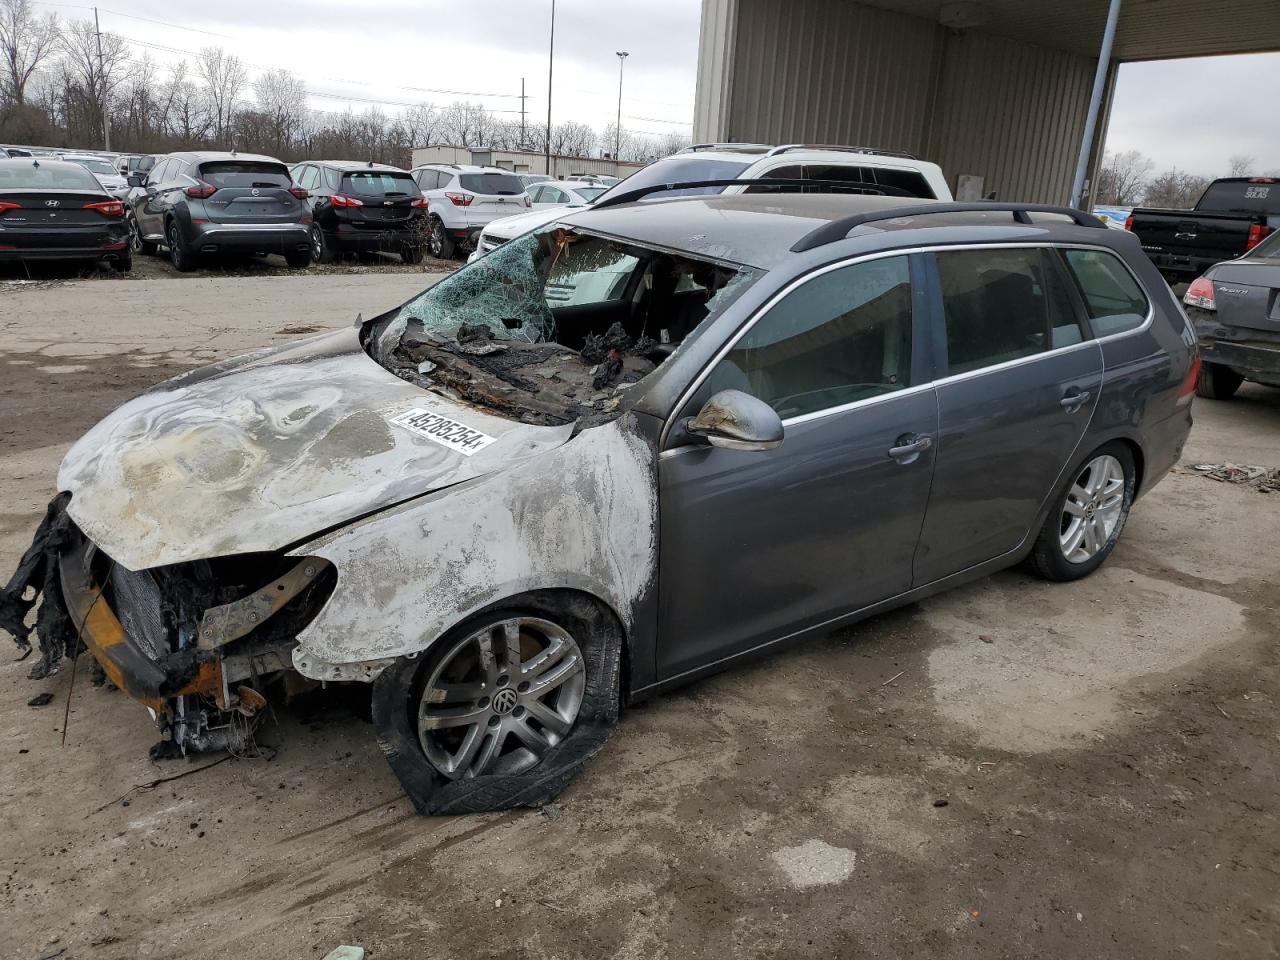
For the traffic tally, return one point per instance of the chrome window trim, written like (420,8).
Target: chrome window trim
(769,304)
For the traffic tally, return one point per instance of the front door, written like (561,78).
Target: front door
(756,546)
(1017,393)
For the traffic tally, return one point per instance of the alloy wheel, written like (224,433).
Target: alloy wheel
(135,235)
(500,698)
(317,243)
(175,245)
(435,240)
(1092,509)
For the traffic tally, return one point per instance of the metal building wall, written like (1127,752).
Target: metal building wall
(1012,113)
(829,72)
(837,71)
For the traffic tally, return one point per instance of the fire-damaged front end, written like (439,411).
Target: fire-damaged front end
(338,508)
(198,643)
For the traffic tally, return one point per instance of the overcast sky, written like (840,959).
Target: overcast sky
(1192,114)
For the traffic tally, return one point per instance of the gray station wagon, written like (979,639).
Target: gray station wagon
(619,452)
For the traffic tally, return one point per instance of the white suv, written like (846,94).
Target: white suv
(462,199)
(863,168)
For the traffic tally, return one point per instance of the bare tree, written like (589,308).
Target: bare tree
(224,78)
(1122,178)
(1239,165)
(26,41)
(186,115)
(571,139)
(97,64)
(1175,189)
(422,124)
(282,101)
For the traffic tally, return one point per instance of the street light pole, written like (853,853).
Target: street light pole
(551,63)
(617,147)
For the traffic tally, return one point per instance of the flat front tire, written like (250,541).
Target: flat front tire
(505,709)
(1088,516)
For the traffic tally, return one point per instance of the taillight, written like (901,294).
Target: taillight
(1200,294)
(5,206)
(201,191)
(1128,223)
(342,200)
(418,202)
(299,193)
(460,199)
(1188,388)
(1257,233)
(108,208)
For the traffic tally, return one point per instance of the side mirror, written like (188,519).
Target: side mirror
(734,420)
(136,179)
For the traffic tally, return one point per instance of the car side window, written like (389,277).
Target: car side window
(428,180)
(534,193)
(156,176)
(1003,304)
(1114,300)
(843,336)
(553,195)
(308,178)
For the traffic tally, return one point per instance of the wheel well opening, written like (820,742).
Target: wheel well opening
(1139,464)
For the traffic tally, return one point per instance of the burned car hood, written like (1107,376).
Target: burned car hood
(260,452)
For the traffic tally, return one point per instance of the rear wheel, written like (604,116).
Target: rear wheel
(439,243)
(321,252)
(180,255)
(1088,517)
(504,710)
(1217,382)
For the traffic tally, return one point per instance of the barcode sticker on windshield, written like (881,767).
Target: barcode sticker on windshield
(442,430)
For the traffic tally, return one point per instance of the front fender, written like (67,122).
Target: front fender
(582,516)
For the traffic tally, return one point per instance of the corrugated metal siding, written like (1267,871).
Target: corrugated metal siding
(830,72)
(1012,113)
(716,39)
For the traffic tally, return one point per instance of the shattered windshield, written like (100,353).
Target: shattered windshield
(553,326)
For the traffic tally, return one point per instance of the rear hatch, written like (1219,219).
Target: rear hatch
(494,195)
(386,196)
(249,192)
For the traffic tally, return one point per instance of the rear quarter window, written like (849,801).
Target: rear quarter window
(245,173)
(1114,300)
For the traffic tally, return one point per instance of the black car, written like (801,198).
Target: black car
(206,203)
(55,210)
(363,208)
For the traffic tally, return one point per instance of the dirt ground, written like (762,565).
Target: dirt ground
(1016,769)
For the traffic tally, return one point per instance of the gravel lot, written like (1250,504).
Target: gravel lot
(1016,769)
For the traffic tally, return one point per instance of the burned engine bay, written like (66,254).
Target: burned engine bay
(552,327)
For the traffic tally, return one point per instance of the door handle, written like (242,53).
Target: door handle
(909,446)
(1074,400)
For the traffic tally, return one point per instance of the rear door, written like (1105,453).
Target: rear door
(494,195)
(249,192)
(1019,384)
(149,208)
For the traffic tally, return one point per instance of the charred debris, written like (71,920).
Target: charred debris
(539,383)
(550,328)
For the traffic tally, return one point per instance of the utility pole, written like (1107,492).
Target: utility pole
(524,141)
(551,63)
(102,102)
(617,148)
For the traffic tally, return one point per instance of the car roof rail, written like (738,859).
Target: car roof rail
(740,147)
(839,229)
(874,151)
(838,186)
